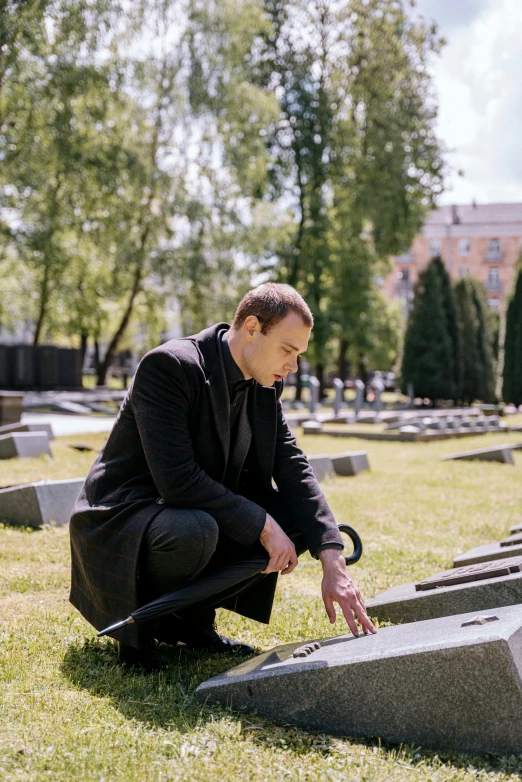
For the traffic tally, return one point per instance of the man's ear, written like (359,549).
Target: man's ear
(250,326)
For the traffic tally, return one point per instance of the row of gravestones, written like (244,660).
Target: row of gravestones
(468,424)
(338,385)
(43,502)
(25,440)
(448,676)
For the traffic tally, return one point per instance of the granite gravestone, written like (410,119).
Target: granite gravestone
(314,386)
(13,428)
(453,682)
(359,396)
(378,388)
(496,453)
(24,444)
(34,504)
(487,552)
(477,587)
(339,393)
(321,465)
(350,462)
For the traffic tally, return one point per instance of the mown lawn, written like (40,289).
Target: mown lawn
(69,712)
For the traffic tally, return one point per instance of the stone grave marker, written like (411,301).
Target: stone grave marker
(34,504)
(453,682)
(487,552)
(359,396)
(339,392)
(378,388)
(312,427)
(13,428)
(11,404)
(314,393)
(350,462)
(24,444)
(486,585)
(516,528)
(322,466)
(495,453)
(410,393)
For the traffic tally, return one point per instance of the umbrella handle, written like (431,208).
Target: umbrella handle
(357,544)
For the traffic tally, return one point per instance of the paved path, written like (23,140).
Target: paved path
(71,424)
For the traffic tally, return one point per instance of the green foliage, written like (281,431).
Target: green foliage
(477,379)
(429,345)
(512,378)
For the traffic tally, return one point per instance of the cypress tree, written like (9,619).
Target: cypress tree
(485,343)
(477,379)
(452,324)
(512,378)
(428,360)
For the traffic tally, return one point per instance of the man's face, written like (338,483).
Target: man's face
(270,357)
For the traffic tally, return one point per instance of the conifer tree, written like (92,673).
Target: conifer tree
(429,353)
(477,378)
(512,379)
(450,308)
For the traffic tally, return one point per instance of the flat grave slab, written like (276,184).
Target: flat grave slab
(486,553)
(15,428)
(436,684)
(350,462)
(312,427)
(34,504)
(496,453)
(321,465)
(24,444)
(516,528)
(486,585)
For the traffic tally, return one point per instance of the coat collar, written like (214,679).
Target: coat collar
(264,414)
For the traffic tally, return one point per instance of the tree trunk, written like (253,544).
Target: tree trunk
(42,310)
(115,341)
(83,345)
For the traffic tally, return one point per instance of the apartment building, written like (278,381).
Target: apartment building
(479,239)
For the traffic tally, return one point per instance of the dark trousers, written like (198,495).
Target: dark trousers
(181,545)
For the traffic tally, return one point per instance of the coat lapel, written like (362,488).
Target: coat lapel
(216,383)
(264,428)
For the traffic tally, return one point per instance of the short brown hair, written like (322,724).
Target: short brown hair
(270,303)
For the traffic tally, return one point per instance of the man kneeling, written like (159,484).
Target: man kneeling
(186,480)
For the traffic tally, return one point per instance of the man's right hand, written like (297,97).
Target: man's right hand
(280,548)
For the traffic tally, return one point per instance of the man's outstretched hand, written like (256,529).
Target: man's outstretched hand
(339,587)
(280,548)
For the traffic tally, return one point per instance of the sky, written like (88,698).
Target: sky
(478,82)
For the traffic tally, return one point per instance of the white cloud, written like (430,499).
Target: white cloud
(477,79)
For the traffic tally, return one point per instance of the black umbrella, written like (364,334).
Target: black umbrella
(212,585)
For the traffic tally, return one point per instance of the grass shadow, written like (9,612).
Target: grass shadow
(167,700)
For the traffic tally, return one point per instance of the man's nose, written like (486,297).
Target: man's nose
(291,365)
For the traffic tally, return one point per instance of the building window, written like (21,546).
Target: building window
(404,275)
(493,304)
(493,253)
(493,283)
(464,246)
(434,247)
(463,271)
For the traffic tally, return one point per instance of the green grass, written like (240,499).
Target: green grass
(69,712)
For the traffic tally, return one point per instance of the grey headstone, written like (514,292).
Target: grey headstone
(496,453)
(516,528)
(312,427)
(321,465)
(34,504)
(453,682)
(486,553)
(350,462)
(410,429)
(71,408)
(409,603)
(25,444)
(11,405)
(359,396)
(378,388)
(339,392)
(314,393)
(410,393)
(12,428)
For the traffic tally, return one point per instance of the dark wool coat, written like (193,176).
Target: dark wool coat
(169,446)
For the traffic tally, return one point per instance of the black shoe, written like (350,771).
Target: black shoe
(199,633)
(144,659)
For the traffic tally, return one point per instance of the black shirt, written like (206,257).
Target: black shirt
(237,385)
